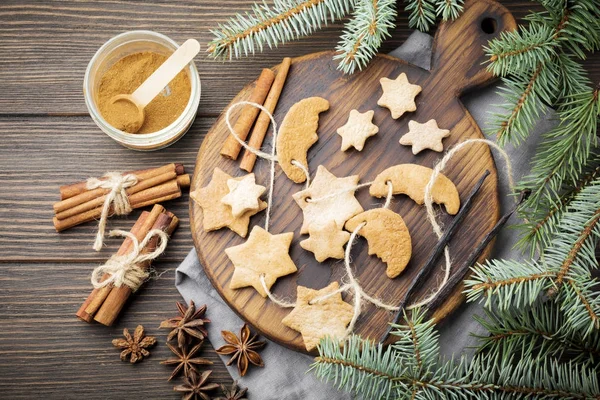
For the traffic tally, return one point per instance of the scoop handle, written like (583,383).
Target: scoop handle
(165,73)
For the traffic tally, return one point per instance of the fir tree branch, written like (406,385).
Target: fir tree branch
(421,14)
(542,223)
(449,9)
(370,25)
(524,98)
(569,259)
(288,20)
(541,331)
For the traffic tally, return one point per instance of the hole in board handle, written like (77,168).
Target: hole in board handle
(489,25)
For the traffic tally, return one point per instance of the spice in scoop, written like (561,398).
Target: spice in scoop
(124,77)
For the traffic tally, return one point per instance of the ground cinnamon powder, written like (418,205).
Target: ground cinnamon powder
(130,72)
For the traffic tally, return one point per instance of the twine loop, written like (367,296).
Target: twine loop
(125,269)
(117,198)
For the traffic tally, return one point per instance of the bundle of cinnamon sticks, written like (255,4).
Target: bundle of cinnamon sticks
(104,304)
(266,93)
(78,204)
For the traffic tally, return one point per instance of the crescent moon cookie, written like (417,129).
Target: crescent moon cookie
(262,254)
(335,199)
(424,136)
(327,317)
(215,213)
(387,236)
(298,132)
(411,180)
(398,95)
(357,130)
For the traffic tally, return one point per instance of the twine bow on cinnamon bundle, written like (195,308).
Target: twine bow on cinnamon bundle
(129,268)
(117,194)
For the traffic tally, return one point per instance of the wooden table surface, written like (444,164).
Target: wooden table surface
(48,139)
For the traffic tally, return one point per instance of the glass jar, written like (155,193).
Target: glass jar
(112,51)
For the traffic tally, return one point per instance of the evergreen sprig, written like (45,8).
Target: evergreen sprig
(539,332)
(411,369)
(370,25)
(563,275)
(566,161)
(285,20)
(539,67)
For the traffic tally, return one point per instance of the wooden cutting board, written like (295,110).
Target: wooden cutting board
(457,66)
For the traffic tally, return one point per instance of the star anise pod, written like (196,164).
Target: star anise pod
(190,323)
(195,386)
(242,349)
(185,360)
(233,393)
(135,346)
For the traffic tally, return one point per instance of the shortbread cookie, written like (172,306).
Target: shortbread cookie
(328,198)
(244,195)
(327,317)
(411,180)
(298,132)
(217,215)
(326,241)
(424,136)
(262,254)
(357,130)
(387,236)
(398,95)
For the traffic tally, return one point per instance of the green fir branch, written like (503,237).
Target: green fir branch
(377,372)
(541,221)
(286,21)
(523,50)
(421,14)
(525,96)
(363,35)
(540,332)
(449,9)
(564,274)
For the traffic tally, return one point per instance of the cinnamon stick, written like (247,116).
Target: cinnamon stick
(116,299)
(140,229)
(166,191)
(73,206)
(262,123)
(231,147)
(68,191)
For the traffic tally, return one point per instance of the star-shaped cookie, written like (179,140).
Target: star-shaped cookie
(217,215)
(326,241)
(424,136)
(328,317)
(262,254)
(328,198)
(398,95)
(244,195)
(357,130)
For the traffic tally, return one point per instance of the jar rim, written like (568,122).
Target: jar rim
(142,141)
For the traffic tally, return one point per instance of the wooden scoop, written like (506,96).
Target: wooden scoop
(131,106)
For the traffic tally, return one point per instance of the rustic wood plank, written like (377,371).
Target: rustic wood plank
(52,151)
(46,352)
(45,47)
(457,67)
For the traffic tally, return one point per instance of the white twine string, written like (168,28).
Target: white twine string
(124,269)
(431,215)
(353,284)
(271,157)
(117,198)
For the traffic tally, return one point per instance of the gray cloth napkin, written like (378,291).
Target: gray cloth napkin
(284,376)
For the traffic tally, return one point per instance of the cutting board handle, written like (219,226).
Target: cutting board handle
(458,54)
